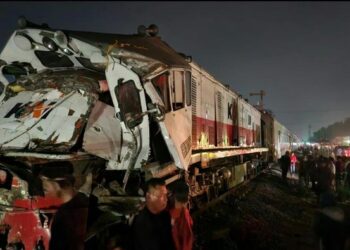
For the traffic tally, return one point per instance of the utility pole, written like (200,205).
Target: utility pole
(262,93)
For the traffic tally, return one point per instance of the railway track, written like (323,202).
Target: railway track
(261,213)
(237,192)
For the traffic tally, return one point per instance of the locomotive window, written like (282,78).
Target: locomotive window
(52,59)
(178,90)
(129,101)
(161,83)
(188,87)
(249,120)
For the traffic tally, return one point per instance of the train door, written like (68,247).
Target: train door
(130,104)
(172,90)
(178,122)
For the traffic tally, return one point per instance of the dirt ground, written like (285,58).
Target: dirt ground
(267,214)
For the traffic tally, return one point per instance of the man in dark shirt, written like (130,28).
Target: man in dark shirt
(69,224)
(285,163)
(151,228)
(331,223)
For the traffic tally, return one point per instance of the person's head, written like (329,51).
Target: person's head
(323,162)
(181,192)
(103,84)
(287,153)
(3,176)
(156,195)
(57,177)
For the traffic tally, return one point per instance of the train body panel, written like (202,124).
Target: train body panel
(220,117)
(267,133)
(282,138)
(249,124)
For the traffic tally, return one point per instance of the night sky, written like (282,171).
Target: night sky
(298,52)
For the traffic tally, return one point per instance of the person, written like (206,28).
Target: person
(307,170)
(330,224)
(5,179)
(285,163)
(324,177)
(331,165)
(68,227)
(313,173)
(151,228)
(339,169)
(347,174)
(293,161)
(302,171)
(181,220)
(3,176)
(4,231)
(103,86)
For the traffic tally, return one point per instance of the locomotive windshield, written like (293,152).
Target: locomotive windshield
(161,83)
(52,59)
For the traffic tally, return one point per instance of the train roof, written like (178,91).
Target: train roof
(152,47)
(145,52)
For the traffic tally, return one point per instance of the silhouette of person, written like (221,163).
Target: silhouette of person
(69,224)
(151,228)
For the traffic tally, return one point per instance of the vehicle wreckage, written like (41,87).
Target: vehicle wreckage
(121,107)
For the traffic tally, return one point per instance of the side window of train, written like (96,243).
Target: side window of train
(177,90)
(180,89)
(161,83)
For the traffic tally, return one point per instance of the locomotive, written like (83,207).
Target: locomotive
(125,108)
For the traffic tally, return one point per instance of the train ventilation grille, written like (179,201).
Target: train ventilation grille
(194,111)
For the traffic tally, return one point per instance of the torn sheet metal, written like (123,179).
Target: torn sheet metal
(103,133)
(47,111)
(140,64)
(43,120)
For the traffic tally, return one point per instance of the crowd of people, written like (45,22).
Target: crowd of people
(315,170)
(163,223)
(323,175)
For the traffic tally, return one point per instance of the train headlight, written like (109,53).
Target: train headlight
(61,38)
(23,42)
(50,44)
